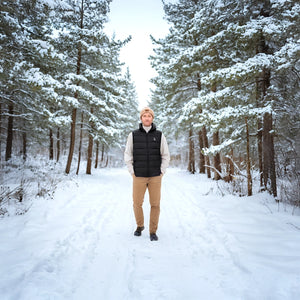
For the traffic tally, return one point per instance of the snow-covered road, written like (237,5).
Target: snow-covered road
(81,244)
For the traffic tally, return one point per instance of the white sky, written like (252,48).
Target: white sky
(138,18)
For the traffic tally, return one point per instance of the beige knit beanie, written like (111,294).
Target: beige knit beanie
(147,110)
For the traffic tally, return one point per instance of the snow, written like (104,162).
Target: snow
(218,148)
(80,245)
(239,71)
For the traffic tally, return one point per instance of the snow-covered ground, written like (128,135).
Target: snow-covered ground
(80,245)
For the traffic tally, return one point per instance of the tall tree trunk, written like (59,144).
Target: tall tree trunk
(90,147)
(201,158)
(9,137)
(97,154)
(200,134)
(249,178)
(269,155)
(0,131)
(24,140)
(265,136)
(207,160)
(217,160)
(58,144)
(199,87)
(102,153)
(259,149)
(216,142)
(272,161)
(231,166)
(80,144)
(259,131)
(72,139)
(191,166)
(51,144)
(90,154)
(268,151)
(74,111)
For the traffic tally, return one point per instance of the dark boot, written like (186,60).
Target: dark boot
(139,230)
(153,237)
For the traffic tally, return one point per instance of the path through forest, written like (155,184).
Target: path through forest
(80,245)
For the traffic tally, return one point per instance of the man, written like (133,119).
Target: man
(147,158)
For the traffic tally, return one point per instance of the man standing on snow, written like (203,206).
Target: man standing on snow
(147,158)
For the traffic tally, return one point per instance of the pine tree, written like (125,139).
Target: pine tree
(237,51)
(24,47)
(41,81)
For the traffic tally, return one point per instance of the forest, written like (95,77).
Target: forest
(226,93)
(228,77)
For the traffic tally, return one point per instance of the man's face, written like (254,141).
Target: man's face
(147,119)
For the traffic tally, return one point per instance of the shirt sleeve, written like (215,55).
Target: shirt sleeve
(165,154)
(128,154)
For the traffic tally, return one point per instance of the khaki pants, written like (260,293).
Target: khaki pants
(140,184)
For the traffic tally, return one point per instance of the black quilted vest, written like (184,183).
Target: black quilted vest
(146,152)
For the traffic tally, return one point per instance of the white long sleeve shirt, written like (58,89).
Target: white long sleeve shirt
(164,152)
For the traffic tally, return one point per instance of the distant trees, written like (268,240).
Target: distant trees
(59,69)
(230,69)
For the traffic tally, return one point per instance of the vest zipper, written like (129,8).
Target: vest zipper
(147,142)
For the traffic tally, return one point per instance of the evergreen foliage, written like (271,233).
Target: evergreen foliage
(224,62)
(56,58)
